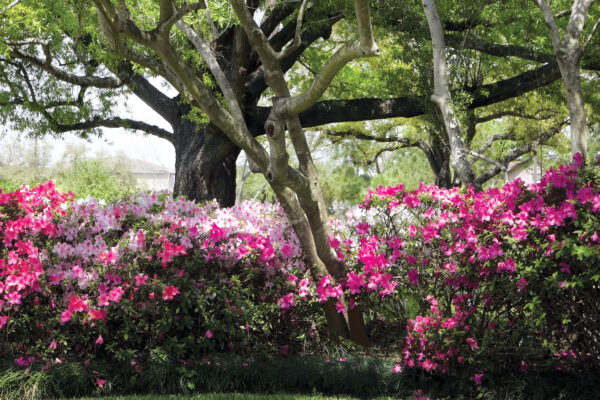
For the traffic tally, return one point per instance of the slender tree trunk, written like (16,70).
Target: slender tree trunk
(442,98)
(336,323)
(204,164)
(576,106)
(568,53)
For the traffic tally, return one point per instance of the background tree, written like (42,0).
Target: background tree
(492,81)
(568,53)
(75,76)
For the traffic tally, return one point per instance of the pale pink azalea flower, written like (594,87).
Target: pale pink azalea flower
(115,294)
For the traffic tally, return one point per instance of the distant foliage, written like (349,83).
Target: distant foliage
(8,185)
(94,178)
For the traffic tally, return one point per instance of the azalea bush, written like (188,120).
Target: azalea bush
(505,278)
(147,278)
(450,280)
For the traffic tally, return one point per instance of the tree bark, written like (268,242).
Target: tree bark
(442,98)
(439,160)
(204,164)
(568,53)
(575,103)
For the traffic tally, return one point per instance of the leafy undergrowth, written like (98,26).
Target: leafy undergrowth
(360,377)
(229,396)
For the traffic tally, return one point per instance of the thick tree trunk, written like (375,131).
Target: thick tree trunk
(438,156)
(443,177)
(204,164)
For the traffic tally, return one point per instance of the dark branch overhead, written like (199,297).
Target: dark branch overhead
(461,26)
(358,134)
(515,86)
(110,82)
(514,113)
(500,50)
(509,50)
(331,111)
(154,98)
(278,14)
(255,83)
(116,123)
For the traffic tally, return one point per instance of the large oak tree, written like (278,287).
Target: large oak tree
(58,73)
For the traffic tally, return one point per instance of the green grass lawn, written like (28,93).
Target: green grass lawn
(228,396)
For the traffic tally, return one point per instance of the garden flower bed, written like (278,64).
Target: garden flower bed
(452,282)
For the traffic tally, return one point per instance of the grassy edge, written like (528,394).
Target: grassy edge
(358,376)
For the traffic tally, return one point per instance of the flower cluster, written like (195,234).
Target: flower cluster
(26,218)
(465,268)
(458,277)
(148,262)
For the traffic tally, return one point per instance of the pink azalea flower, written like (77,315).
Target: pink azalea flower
(141,280)
(288,251)
(170,292)
(96,315)
(24,361)
(292,279)
(397,369)
(286,301)
(413,277)
(362,228)
(65,316)
(208,334)
(100,340)
(100,382)
(473,343)
(103,300)
(115,294)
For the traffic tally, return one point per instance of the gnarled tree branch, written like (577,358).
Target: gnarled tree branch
(79,80)
(518,152)
(116,123)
